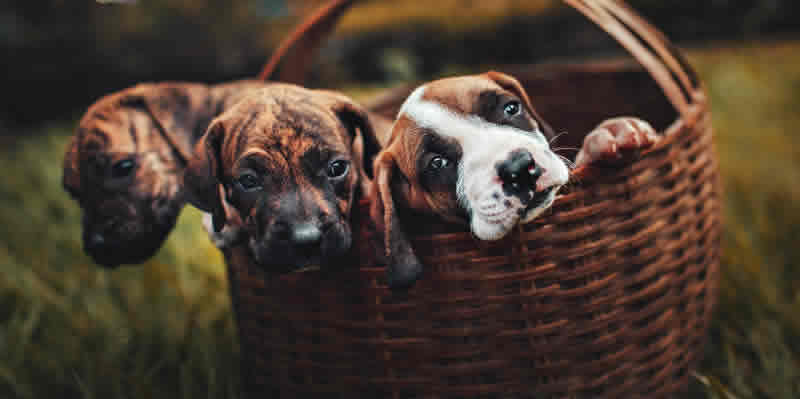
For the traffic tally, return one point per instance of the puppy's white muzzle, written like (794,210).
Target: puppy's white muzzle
(497,203)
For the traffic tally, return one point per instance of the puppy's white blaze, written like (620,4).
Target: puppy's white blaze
(413,98)
(484,145)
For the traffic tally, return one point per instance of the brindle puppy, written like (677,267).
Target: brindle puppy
(284,165)
(124,164)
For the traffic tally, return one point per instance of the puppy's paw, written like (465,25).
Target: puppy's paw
(616,141)
(223,239)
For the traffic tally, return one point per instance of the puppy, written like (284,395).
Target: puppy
(284,166)
(468,150)
(125,162)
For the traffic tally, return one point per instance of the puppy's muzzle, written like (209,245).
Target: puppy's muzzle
(289,244)
(304,237)
(120,244)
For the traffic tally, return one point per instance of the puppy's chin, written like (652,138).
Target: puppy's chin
(488,229)
(134,239)
(495,218)
(276,262)
(129,251)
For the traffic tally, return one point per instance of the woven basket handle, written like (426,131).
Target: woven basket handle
(634,33)
(294,55)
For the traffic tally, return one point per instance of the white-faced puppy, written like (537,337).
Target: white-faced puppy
(124,164)
(284,165)
(467,150)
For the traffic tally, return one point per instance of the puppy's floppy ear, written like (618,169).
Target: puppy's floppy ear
(364,142)
(71,180)
(203,176)
(181,110)
(404,268)
(362,130)
(512,84)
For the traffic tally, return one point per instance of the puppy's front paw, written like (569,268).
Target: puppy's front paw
(223,239)
(616,141)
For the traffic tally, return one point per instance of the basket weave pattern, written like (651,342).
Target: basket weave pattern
(607,296)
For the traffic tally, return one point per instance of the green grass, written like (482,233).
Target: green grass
(69,329)
(755,342)
(471,14)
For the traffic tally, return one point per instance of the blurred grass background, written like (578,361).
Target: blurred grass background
(70,329)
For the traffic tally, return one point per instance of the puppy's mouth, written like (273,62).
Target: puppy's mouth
(492,219)
(278,257)
(538,203)
(539,198)
(115,252)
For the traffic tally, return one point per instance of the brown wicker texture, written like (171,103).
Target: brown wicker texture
(607,296)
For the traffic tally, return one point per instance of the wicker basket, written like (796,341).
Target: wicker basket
(607,296)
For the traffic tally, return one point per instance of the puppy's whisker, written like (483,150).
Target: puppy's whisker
(566,160)
(553,140)
(566,148)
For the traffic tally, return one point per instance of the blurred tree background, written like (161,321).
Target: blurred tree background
(70,329)
(60,55)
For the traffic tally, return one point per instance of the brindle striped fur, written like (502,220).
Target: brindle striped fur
(126,218)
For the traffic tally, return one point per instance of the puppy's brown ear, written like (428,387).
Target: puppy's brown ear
(181,110)
(364,138)
(511,84)
(291,61)
(71,180)
(404,268)
(362,131)
(202,178)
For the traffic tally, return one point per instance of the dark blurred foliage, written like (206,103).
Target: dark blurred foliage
(720,19)
(60,55)
(562,32)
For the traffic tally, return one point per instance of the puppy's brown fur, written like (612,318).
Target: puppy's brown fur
(272,164)
(399,176)
(124,164)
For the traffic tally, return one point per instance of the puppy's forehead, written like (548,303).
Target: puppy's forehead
(459,94)
(114,130)
(436,109)
(282,121)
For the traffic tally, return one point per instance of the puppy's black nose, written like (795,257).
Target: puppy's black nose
(306,235)
(519,173)
(95,241)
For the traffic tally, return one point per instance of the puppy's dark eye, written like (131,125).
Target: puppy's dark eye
(511,108)
(123,168)
(438,162)
(248,182)
(338,168)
